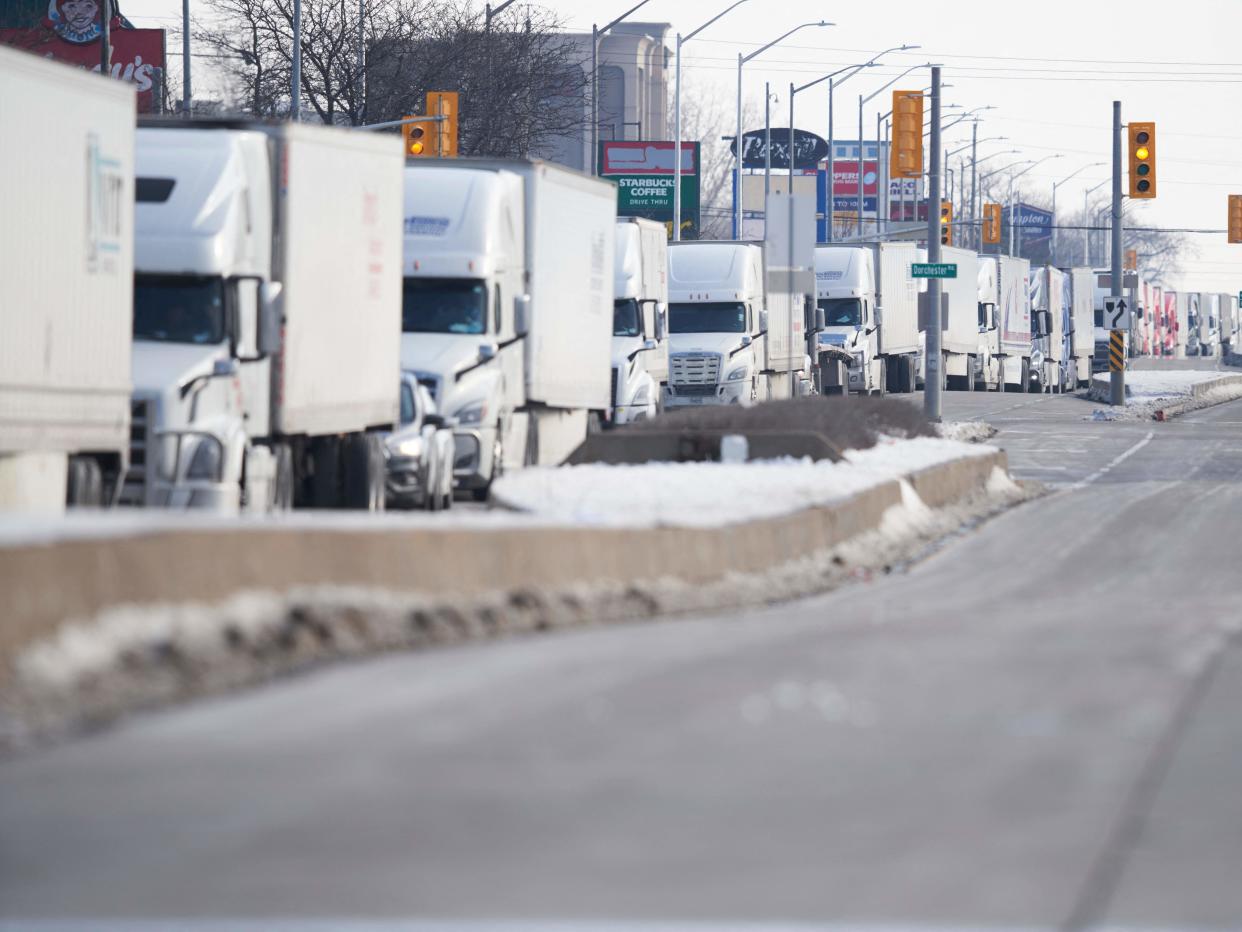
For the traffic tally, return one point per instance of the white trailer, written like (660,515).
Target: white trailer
(1231,325)
(639,321)
(1013,305)
(267,316)
(1049,326)
(1080,313)
(870,306)
(509,307)
(960,320)
(988,351)
(66,283)
(1209,324)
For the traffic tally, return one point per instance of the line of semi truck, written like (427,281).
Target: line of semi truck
(229,315)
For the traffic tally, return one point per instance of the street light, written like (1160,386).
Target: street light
(1013,213)
(682,40)
(1055,185)
(595,34)
(737,140)
(861,102)
(1086,210)
(833,84)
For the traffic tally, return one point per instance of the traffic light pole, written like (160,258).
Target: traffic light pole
(1117,382)
(933,361)
(105,43)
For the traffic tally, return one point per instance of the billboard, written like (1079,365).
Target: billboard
(809,149)
(71,31)
(644,173)
(1034,223)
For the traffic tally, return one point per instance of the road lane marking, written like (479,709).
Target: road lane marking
(1105,470)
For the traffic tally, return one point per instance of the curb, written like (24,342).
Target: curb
(208,567)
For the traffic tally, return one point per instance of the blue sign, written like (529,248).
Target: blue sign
(1034,223)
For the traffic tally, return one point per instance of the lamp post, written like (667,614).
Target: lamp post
(1086,210)
(862,101)
(682,40)
(983,178)
(1055,185)
(187,94)
(490,13)
(833,84)
(1013,212)
(295,98)
(595,34)
(737,140)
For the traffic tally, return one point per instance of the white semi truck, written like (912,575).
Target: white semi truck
(960,322)
(1013,307)
(66,281)
(732,338)
(267,316)
(1231,324)
(639,321)
(1048,368)
(990,377)
(870,306)
(1209,324)
(508,307)
(1080,323)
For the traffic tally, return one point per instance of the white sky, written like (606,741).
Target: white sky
(1050,68)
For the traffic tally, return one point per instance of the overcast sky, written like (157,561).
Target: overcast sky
(1052,70)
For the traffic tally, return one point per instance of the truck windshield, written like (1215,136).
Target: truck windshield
(841,312)
(626,321)
(444,305)
(179,309)
(709,317)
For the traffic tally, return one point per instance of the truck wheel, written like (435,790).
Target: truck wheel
(907,375)
(481,494)
(84,483)
(282,494)
(882,381)
(969,381)
(325,479)
(364,477)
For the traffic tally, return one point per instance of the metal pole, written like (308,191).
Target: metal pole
(1086,234)
(105,39)
(362,78)
(1013,217)
(295,96)
(187,93)
(594,98)
(879,174)
(737,144)
(767,147)
(860,165)
(1052,247)
(976,238)
(1117,394)
(931,395)
(832,174)
(888,181)
(677,146)
(791,149)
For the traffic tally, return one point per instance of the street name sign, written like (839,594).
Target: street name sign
(933,270)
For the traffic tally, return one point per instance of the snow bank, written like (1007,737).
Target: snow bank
(1155,394)
(714,494)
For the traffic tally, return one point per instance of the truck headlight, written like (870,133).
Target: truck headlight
(207,463)
(741,372)
(472,414)
(411,447)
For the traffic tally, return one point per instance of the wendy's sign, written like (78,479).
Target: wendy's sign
(71,32)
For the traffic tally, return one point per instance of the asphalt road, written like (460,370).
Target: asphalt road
(1036,727)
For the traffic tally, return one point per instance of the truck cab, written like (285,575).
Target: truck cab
(640,321)
(845,292)
(200,382)
(988,325)
(717,324)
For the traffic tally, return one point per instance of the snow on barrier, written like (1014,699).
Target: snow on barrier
(94,626)
(1161,395)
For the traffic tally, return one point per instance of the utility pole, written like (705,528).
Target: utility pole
(295,96)
(767,145)
(187,92)
(934,362)
(832,174)
(361,59)
(105,39)
(975,236)
(1117,383)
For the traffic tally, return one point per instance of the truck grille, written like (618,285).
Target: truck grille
(694,369)
(694,391)
(134,489)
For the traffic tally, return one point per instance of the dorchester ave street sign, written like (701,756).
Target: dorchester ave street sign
(933,270)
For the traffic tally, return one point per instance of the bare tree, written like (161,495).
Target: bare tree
(520,82)
(706,116)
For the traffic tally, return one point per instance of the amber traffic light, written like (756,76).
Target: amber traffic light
(421,139)
(992,223)
(906,160)
(1142,160)
(946,223)
(1235,218)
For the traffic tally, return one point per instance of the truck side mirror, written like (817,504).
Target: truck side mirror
(521,315)
(271,317)
(763,321)
(879,316)
(821,319)
(487,352)
(661,324)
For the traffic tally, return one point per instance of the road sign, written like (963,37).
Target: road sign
(933,270)
(1116,314)
(1117,351)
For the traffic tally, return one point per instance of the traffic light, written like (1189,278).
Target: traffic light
(444,104)
(991,223)
(906,160)
(421,139)
(1142,160)
(1235,218)
(946,223)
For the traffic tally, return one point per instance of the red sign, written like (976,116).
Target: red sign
(136,53)
(845,178)
(645,158)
